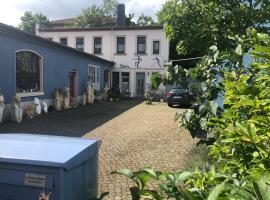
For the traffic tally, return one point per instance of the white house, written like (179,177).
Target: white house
(138,52)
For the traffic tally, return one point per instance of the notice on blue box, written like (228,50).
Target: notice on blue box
(35,180)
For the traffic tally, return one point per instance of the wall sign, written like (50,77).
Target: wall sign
(35,180)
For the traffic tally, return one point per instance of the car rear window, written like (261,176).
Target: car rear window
(178,90)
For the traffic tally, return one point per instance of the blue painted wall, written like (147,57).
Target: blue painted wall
(57,63)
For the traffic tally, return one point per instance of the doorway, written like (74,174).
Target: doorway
(74,84)
(140,84)
(125,84)
(115,81)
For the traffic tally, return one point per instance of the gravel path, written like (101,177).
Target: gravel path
(144,136)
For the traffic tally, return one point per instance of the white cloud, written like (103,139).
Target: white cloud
(147,7)
(12,10)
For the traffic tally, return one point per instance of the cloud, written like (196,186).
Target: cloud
(12,10)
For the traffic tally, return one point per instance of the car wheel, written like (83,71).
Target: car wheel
(170,105)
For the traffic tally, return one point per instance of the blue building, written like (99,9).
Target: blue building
(31,66)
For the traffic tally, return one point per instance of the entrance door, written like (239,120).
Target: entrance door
(125,84)
(73,84)
(140,84)
(115,83)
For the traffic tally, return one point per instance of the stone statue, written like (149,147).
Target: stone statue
(2,106)
(105,95)
(37,106)
(58,101)
(66,97)
(45,107)
(16,109)
(90,93)
(84,99)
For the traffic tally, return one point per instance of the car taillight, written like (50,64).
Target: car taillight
(168,94)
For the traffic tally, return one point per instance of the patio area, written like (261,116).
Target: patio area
(134,135)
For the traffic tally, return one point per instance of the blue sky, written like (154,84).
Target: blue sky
(12,10)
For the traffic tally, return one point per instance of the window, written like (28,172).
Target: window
(80,43)
(28,72)
(97,45)
(63,41)
(94,74)
(121,45)
(141,45)
(156,46)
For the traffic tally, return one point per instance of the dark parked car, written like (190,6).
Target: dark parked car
(179,96)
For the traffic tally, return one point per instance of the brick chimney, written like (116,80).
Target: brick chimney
(121,15)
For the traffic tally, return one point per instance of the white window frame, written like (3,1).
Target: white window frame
(93,39)
(153,47)
(77,37)
(95,75)
(30,94)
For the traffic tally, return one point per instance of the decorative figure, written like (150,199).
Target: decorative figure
(157,61)
(66,98)
(90,93)
(58,101)
(138,60)
(61,99)
(37,106)
(16,110)
(29,111)
(105,95)
(2,106)
(84,99)
(45,107)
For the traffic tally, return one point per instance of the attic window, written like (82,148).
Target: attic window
(28,72)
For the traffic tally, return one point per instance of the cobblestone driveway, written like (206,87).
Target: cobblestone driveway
(144,136)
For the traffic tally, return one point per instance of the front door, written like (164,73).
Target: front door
(140,84)
(73,83)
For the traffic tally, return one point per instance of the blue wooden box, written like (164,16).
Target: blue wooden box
(67,168)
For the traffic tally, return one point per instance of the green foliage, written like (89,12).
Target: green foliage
(240,147)
(156,80)
(242,132)
(195,25)
(29,21)
(97,16)
(145,20)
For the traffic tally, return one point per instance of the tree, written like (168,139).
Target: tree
(29,21)
(129,20)
(195,25)
(98,16)
(145,20)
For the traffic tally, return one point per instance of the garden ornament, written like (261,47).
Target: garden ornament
(45,107)
(66,98)
(2,106)
(57,102)
(16,110)
(37,106)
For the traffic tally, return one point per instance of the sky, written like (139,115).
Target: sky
(12,10)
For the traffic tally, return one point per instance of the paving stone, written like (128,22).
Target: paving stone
(143,136)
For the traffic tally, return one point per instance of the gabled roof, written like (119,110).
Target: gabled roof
(14,32)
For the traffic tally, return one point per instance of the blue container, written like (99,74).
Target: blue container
(67,168)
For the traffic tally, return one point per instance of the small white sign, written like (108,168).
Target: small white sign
(35,180)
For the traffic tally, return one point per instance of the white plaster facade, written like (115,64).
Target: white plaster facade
(126,62)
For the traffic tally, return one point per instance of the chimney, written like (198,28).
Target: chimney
(121,15)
